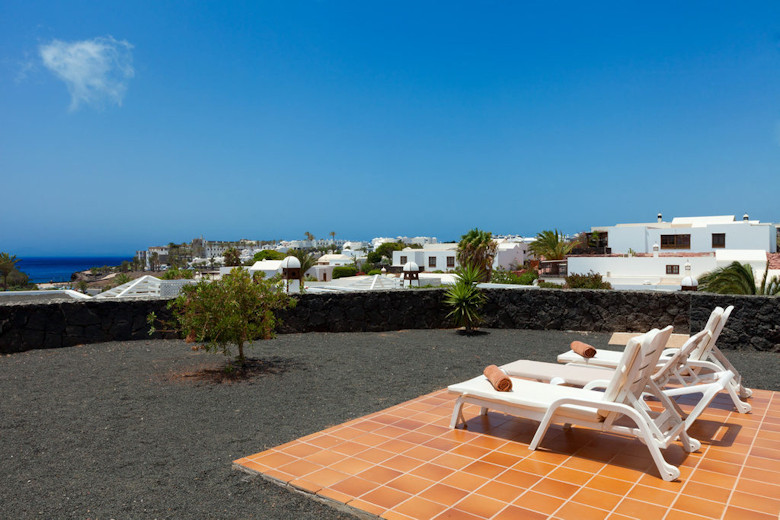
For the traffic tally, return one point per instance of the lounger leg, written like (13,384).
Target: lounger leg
(457,414)
(483,410)
(541,430)
(741,406)
(667,471)
(744,393)
(689,444)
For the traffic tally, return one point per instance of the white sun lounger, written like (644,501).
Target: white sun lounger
(674,369)
(703,363)
(585,407)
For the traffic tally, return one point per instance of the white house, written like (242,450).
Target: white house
(322,273)
(509,253)
(335,260)
(690,234)
(432,257)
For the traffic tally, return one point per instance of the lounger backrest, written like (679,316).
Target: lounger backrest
(625,368)
(647,361)
(636,366)
(701,353)
(680,358)
(715,326)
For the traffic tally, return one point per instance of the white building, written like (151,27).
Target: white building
(378,241)
(354,245)
(433,257)
(690,234)
(335,260)
(655,255)
(510,253)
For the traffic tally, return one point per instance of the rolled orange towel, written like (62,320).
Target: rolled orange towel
(583,349)
(498,378)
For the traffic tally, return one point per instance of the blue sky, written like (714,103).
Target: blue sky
(132,124)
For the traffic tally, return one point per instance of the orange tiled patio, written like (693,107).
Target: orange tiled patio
(406,463)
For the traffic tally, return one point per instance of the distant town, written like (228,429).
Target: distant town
(661,255)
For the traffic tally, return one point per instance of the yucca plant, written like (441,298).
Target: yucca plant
(738,278)
(465,298)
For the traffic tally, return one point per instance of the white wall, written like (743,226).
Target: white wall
(514,254)
(650,268)
(421,258)
(739,235)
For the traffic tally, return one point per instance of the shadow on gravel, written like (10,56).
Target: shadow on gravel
(225,372)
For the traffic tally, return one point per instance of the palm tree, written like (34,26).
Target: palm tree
(332,236)
(309,236)
(154,261)
(306,259)
(477,248)
(738,278)
(7,266)
(551,245)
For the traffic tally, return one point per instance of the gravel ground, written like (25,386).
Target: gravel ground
(113,430)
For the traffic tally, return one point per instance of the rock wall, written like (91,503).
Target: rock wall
(754,324)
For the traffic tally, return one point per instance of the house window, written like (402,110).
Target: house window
(675,241)
(718,240)
(672,269)
(431,261)
(403,260)
(450,261)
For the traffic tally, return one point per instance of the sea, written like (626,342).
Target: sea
(59,268)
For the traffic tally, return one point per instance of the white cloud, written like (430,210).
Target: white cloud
(95,71)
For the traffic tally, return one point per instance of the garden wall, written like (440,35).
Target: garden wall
(754,324)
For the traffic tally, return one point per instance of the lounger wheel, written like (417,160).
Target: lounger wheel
(744,393)
(669,472)
(692,445)
(743,407)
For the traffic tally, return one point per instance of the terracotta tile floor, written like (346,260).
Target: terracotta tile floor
(406,463)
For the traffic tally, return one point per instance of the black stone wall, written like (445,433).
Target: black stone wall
(754,324)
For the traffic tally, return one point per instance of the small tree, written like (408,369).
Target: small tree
(7,266)
(232,311)
(465,298)
(232,257)
(268,254)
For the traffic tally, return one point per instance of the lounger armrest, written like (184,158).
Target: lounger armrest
(597,383)
(596,405)
(669,352)
(719,380)
(709,365)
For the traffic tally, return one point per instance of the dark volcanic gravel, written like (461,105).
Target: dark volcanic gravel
(114,430)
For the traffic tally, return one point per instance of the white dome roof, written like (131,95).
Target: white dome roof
(291,262)
(689,281)
(411,267)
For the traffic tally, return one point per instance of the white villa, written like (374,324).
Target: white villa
(660,254)
(443,257)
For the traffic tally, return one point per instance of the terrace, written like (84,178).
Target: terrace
(136,429)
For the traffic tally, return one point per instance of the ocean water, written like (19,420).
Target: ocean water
(59,269)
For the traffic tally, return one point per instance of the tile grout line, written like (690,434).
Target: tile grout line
(742,466)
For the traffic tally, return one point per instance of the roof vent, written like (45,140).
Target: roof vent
(660,218)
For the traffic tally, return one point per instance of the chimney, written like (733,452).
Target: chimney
(745,217)
(660,218)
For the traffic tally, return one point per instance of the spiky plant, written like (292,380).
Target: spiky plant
(737,278)
(465,298)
